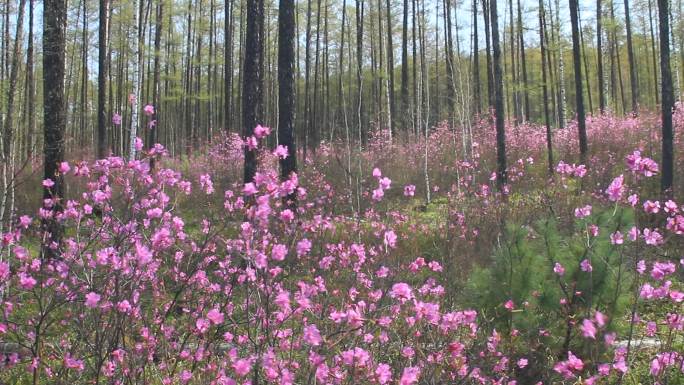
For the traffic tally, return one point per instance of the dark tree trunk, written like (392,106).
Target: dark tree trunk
(545,92)
(102,74)
(490,75)
(633,80)
(54,44)
(251,86)
(405,110)
(501,178)
(30,87)
(476,63)
(523,64)
(154,126)
(286,89)
(390,69)
(577,65)
(228,63)
(11,92)
(667,97)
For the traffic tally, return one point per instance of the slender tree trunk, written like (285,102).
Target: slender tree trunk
(579,96)
(286,90)
(501,177)
(653,52)
(137,81)
(476,63)
(523,64)
(405,105)
(667,162)
(599,57)
(154,125)
(545,93)
(102,75)
(30,87)
(633,80)
(228,65)
(490,74)
(251,86)
(8,136)
(390,71)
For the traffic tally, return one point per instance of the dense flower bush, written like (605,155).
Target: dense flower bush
(166,277)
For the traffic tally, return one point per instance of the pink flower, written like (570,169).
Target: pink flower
(278,252)
(123,306)
(390,239)
(377,173)
(4,271)
(385,183)
(242,367)
(383,373)
(670,207)
(303,247)
(616,189)
(64,167)
(148,110)
(401,291)
(116,119)
(215,316)
(600,319)
(559,269)
(409,190)
(251,143)
(311,335)
(653,237)
(91,299)
(202,325)
(582,212)
(616,238)
(249,189)
(522,363)
(48,183)
(26,281)
(261,131)
(652,207)
(509,305)
(410,375)
(281,152)
(586,266)
(588,329)
(378,194)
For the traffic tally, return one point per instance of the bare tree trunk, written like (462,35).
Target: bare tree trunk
(102,74)
(666,182)
(286,90)
(251,85)
(545,93)
(599,57)
(633,80)
(579,97)
(54,42)
(501,177)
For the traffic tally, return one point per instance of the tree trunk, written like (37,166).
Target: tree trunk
(286,90)
(251,86)
(667,97)
(54,44)
(102,74)
(545,93)
(633,80)
(579,96)
(501,177)
(599,58)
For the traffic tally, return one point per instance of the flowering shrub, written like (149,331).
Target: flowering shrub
(150,289)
